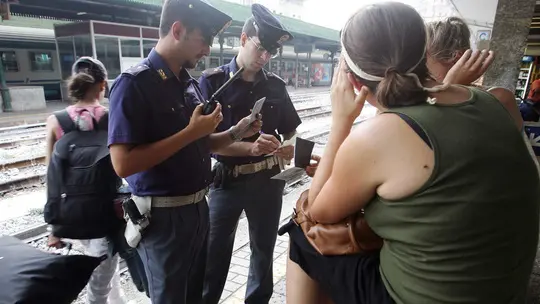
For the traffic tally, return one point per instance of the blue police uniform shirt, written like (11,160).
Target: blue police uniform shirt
(278,113)
(149,103)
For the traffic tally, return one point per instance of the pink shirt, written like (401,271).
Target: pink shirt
(82,120)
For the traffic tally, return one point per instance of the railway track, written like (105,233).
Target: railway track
(38,135)
(12,137)
(37,231)
(33,179)
(30,180)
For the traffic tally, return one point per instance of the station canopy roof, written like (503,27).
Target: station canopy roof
(147,12)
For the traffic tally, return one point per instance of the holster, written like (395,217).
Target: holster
(222,175)
(134,230)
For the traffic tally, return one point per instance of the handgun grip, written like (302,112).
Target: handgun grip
(131,209)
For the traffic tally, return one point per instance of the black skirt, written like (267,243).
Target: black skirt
(346,279)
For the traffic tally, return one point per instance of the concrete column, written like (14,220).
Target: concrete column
(221,42)
(510,31)
(297,69)
(332,55)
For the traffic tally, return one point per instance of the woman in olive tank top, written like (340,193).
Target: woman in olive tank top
(443,175)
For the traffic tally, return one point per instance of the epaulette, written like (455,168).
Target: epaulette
(211,72)
(272,75)
(136,69)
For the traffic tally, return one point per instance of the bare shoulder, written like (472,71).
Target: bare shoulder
(508,100)
(379,129)
(377,137)
(51,122)
(397,159)
(501,93)
(386,135)
(506,97)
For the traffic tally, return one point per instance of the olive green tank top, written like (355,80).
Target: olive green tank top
(470,234)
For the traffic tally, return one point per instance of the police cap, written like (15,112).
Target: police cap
(200,14)
(270,31)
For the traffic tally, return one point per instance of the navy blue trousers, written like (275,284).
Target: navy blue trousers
(173,251)
(261,198)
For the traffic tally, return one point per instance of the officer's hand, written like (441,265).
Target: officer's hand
(265,144)
(203,125)
(312,168)
(246,129)
(286,152)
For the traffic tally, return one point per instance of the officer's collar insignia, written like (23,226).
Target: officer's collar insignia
(283,39)
(162,74)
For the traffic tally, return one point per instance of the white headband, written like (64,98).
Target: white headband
(363,74)
(356,69)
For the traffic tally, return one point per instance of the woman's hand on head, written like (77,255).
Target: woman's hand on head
(471,66)
(346,105)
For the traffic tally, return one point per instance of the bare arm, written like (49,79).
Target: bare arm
(508,100)
(236,149)
(130,151)
(223,143)
(366,165)
(251,149)
(264,144)
(50,138)
(129,159)
(346,107)
(220,141)
(338,133)
(346,190)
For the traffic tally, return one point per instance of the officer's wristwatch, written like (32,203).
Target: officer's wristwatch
(233,133)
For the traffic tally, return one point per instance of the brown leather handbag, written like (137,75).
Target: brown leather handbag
(350,236)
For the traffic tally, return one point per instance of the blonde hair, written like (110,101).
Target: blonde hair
(448,39)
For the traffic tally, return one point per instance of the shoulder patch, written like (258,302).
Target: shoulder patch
(211,72)
(272,75)
(136,69)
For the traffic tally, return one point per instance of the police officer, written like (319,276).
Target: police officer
(161,142)
(243,170)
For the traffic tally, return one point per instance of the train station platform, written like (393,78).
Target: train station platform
(11,119)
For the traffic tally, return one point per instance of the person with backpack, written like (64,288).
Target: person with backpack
(81,184)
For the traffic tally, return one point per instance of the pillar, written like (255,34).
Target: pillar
(297,70)
(309,71)
(221,40)
(509,36)
(4,91)
(332,54)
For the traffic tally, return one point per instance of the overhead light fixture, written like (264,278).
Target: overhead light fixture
(81,13)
